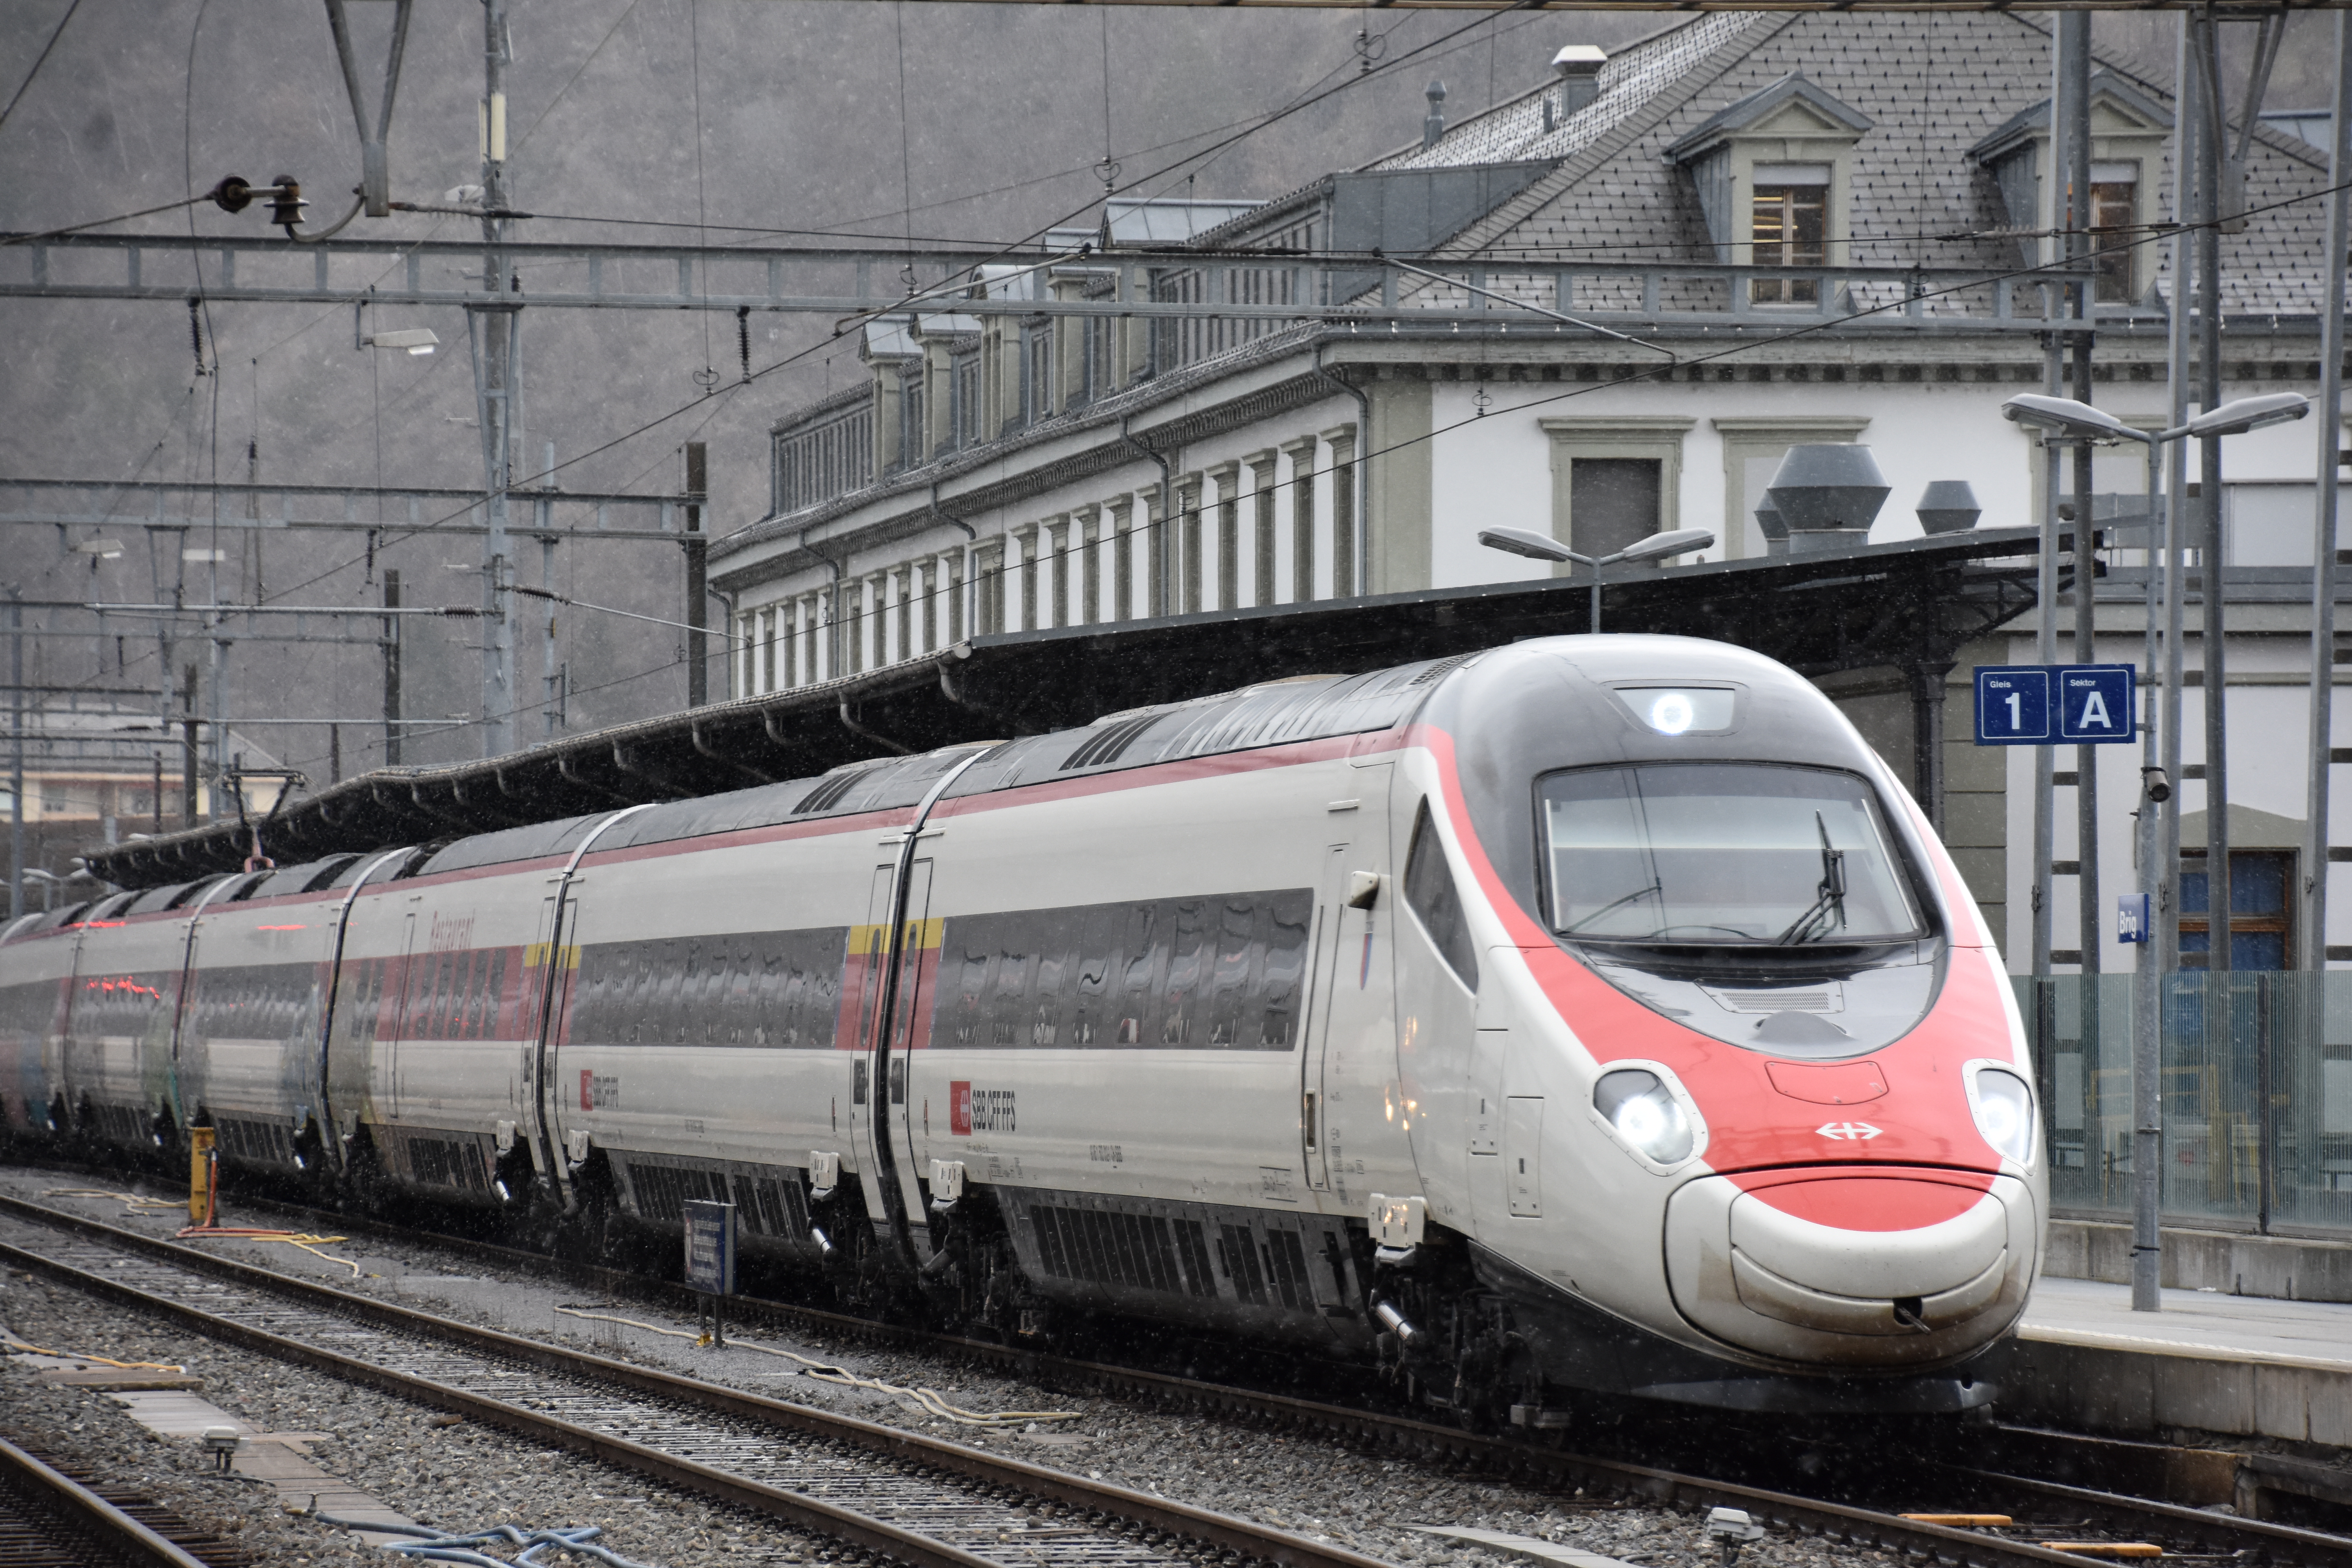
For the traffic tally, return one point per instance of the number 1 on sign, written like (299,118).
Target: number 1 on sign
(2016,711)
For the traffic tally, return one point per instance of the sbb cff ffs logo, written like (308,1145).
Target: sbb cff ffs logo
(984,1111)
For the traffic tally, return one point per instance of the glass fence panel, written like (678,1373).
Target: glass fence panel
(2257,1085)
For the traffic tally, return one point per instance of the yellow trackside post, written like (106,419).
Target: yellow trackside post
(203,1182)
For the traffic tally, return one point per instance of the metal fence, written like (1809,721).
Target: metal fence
(2257,1071)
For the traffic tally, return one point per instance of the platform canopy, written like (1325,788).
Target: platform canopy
(1908,606)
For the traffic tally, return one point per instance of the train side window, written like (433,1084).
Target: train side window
(1136,1002)
(1430,892)
(1187,959)
(1092,999)
(1053,983)
(1289,916)
(1238,975)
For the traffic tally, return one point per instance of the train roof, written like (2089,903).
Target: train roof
(1276,713)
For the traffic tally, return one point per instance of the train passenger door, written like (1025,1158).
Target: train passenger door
(869,949)
(1314,1120)
(918,957)
(384,1086)
(537,1066)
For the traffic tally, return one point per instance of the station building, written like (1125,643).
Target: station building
(1002,471)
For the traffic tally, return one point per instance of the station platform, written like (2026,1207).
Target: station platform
(2232,1366)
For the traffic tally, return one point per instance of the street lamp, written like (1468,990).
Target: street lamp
(2080,421)
(1544,547)
(415,340)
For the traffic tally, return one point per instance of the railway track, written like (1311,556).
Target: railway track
(49,1518)
(924,1501)
(2013,1484)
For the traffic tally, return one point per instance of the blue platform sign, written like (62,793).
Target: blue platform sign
(710,1246)
(2094,703)
(2012,705)
(2055,704)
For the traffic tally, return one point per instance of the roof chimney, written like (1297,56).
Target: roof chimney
(1433,126)
(1578,69)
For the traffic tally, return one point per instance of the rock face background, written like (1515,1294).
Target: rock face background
(800,136)
(762,118)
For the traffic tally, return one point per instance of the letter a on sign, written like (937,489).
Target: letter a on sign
(2096,702)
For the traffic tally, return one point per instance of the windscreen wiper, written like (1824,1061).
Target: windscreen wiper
(1655,887)
(1828,897)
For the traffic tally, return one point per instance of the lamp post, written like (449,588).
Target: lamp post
(1537,546)
(2080,421)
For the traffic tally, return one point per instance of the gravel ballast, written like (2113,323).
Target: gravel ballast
(1313,1486)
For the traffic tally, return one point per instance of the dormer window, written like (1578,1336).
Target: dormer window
(1789,223)
(2129,131)
(2115,208)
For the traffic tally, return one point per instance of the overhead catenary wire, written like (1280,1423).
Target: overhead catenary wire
(1253,125)
(1728,351)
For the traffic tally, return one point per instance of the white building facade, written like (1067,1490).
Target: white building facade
(1629,294)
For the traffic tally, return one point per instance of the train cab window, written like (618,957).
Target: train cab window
(1430,892)
(1721,853)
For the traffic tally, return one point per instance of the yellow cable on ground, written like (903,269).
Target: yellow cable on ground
(925,1399)
(303,1239)
(21,1348)
(133,1201)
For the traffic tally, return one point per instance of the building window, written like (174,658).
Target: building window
(2113,210)
(913,446)
(1038,373)
(1788,222)
(2260,935)
(1614,502)
(988,566)
(1188,542)
(1302,522)
(1343,516)
(963,403)
(1122,559)
(1262,561)
(1229,539)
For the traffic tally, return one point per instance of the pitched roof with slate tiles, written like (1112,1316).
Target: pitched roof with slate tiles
(1933,87)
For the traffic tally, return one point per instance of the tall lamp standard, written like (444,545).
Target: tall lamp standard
(1537,546)
(2080,421)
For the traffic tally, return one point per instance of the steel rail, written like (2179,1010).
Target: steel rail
(1255,1542)
(1370,1429)
(1668,1489)
(2283,1543)
(81,1505)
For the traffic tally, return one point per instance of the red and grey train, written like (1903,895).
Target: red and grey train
(1596,1013)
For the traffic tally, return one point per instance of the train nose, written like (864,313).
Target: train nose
(1852,1265)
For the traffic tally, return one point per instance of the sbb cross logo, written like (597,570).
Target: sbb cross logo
(959,1110)
(1848,1131)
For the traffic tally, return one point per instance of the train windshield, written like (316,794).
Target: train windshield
(1721,853)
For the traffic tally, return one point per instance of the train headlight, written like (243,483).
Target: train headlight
(1671,713)
(1645,1114)
(2004,1109)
